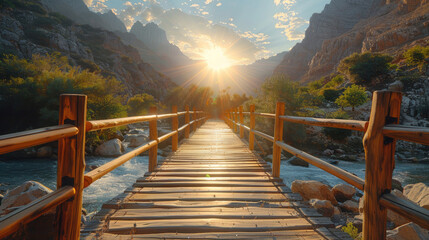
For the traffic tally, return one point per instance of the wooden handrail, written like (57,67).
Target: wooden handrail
(110,123)
(333,123)
(407,133)
(336,171)
(99,172)
(406,208)
(17,141)
(379,143)
(263,135)
(13,221)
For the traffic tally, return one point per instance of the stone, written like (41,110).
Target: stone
(339,151)
(396,184)
(343,192)
(1,198)
(328,152)
(136,131)
(350,206)
(418,193)
(111,148)
(136,140)
(313,189)
(44,152)
(22,195)
(296,161)
(407,231)
(396,86)
(324,207)
(337,211)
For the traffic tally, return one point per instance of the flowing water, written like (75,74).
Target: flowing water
(14,173)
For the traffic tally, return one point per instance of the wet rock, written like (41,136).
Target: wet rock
(111,148)
(408,231)
(328,152)
(396,184)
(44,152)
(22,195)
(350,206)
(136,140)
(396,86)
(1,198)
(333,162)
(296,161)
(343,192)
(418,193)
(118,135)
(324,207)
(313,189)
(137,131)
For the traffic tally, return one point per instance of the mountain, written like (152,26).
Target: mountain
(348,26)
(29,32)
(79,12)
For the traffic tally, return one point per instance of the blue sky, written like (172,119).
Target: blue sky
(255,28)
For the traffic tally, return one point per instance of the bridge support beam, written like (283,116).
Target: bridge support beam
(380,162)
(71,165)
(278,136)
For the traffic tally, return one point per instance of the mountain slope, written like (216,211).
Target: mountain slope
(348,26)
(24,33)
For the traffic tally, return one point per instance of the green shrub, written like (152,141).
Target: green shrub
(363,68)
(139,104)
(336,133)
(88,64)
(331,94)
(416,56)
(353,96)
(351,230)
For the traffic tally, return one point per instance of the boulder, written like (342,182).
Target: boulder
(136,140)
(44,152)
(396,184)
(337,211)
(396,86)
(407,231)
(350,206)
(137,131)
(296,161)
(343,192)
(111,148)
(328,152)
(22,195)
(418,193)
(324,207)
(313,189)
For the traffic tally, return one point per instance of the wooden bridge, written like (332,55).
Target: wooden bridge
(213,185)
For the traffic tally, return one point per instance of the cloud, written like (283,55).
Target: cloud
(208,1)
(288,20)
(193,34)
(258,37)
(218,4)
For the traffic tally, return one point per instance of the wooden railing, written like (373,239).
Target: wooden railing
(71,180)
(381,132)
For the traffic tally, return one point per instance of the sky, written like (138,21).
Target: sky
(247,29)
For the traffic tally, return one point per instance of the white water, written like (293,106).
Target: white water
(14,173)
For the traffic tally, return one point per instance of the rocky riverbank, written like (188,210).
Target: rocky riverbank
(344,205)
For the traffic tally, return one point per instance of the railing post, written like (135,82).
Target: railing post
(153,135)
(252,126)
(241,122)
(194,116)
(187,121)
(379,158)
(278,136)
(234,115)
(71,165)
(174,127)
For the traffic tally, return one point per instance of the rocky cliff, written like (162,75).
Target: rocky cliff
(24,32)
(345,27)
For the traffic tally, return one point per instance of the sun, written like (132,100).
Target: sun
(216,59)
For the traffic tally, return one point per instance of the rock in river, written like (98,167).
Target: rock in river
(313,189)
(110,148)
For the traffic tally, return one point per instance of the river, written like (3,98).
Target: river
(14,173)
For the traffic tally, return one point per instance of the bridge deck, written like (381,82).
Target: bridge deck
(212,187)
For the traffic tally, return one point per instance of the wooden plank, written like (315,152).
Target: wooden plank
(211,225)
(208,196)
(204,174)
(207,184)
(205,189)
(207,178)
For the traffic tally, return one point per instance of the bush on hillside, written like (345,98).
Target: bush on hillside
(353,96)
(139,104)
(416,56)
(363,68)
(331,94)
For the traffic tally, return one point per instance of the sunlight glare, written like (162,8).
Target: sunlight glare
(216,59)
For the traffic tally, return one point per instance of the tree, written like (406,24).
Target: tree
(364,68)
(416,56)
(139,104)
(353,96)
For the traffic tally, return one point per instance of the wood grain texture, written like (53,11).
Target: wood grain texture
(174,127)
(71,165)
(379,156)
(251,127)
(153,135)
(278,137)
(212,184)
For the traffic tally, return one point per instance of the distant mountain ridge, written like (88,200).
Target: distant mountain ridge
(348,26)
